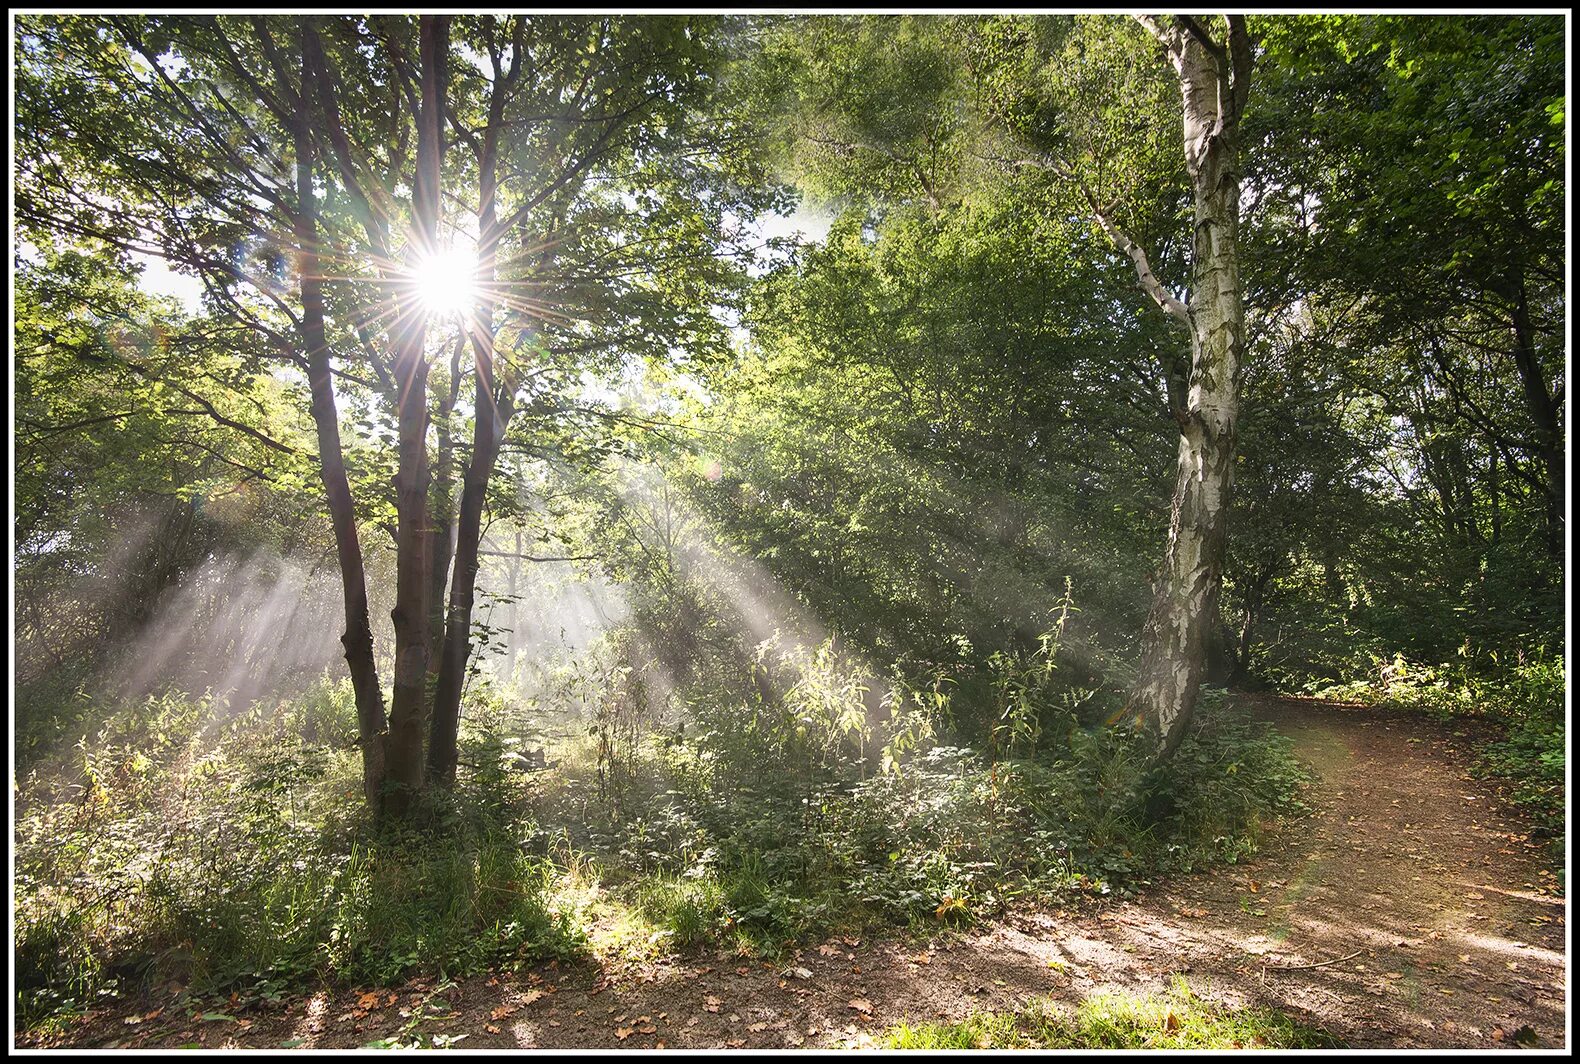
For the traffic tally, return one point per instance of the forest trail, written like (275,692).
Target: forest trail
(1423,915)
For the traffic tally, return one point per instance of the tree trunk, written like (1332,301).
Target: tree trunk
(404,754)
(1495,492)
(1543,409)
(457,646)
(358,637)
(441,538)
(493,407)
(1250,616)
(1173,643)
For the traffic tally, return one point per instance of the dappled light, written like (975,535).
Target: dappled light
(574,531)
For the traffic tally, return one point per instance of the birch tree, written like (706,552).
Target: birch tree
(1215,81)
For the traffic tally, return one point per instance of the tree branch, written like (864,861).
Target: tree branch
(1149,282)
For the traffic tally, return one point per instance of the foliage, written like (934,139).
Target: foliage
(220,853)
(810,569)
(772,820)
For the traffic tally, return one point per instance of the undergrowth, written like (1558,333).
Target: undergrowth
(179,844)
(743,830)
(229,853)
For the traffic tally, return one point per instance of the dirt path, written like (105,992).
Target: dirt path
(1443,927)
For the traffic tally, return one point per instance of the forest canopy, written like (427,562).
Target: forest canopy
(809,463)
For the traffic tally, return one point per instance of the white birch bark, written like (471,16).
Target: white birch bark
(1214,79)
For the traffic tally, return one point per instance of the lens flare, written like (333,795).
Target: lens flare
(446,282)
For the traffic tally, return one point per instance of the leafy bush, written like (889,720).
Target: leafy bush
(760,834)
(226,854)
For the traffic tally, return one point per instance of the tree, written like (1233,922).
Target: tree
(1215,83)
(600,200)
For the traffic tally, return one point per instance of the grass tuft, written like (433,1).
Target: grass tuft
(1178,1019)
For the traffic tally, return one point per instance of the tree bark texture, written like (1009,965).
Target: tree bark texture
(358,637)
(404,747)
(1214,78)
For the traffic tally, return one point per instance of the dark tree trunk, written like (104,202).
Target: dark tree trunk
(404,754)
(493,407)
(358,637)
(1544,409)
(1250,617)
(441,541)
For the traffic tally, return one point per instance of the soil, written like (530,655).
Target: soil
(1410,910)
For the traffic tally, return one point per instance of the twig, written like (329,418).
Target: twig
(1301,967)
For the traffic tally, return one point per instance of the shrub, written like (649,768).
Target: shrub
(231,854)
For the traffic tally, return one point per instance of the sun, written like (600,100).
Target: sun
(446,282)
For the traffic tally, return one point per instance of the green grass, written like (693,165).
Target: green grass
(1178,1019)
(231,853)
(173,840)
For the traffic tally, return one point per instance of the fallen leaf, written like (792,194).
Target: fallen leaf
(502,1011)
(712,1003)
(623,1033)
(649,1029)
(735,1043)
(861,1005)
(368,1000)
(755,1027)
(490,1028)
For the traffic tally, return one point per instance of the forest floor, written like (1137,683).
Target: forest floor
(1410,910)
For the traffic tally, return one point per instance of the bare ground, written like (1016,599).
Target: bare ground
(1410,911)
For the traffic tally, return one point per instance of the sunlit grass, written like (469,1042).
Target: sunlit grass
(1178,1019)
